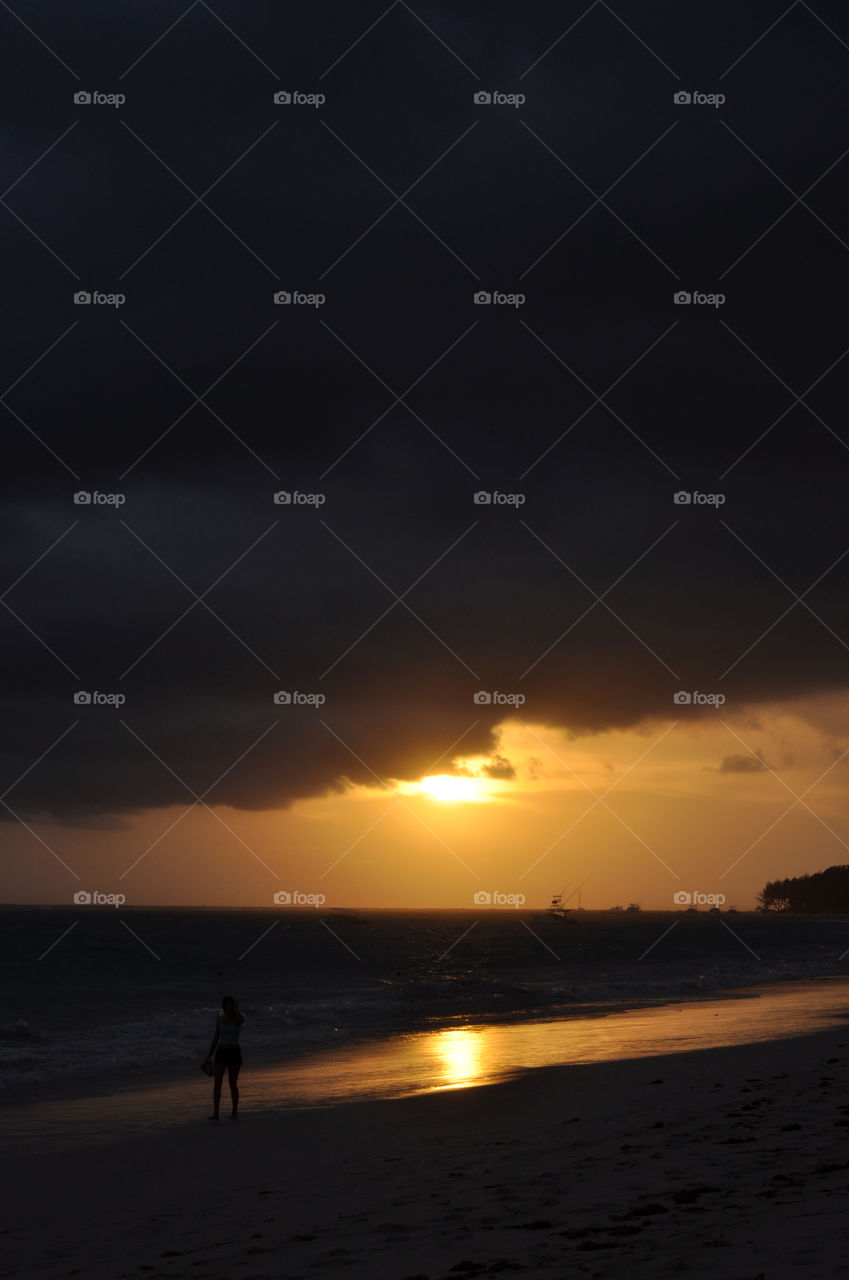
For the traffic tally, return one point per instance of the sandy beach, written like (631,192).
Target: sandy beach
(729,1162)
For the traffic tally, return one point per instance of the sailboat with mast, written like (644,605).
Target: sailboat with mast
(558,908)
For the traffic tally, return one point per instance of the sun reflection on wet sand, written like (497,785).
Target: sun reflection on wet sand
(449,1059)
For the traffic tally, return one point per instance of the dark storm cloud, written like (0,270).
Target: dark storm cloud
(744,764)
(500,597)
(500,767)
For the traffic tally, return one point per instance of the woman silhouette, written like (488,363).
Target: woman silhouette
(228,1054)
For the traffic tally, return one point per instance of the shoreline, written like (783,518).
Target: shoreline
(633,1166)
(112,1079)
(466,1058)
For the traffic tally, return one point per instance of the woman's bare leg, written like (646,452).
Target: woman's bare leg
(216,1089)
(233,1076)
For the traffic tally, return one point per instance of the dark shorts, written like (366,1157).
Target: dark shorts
(229,1054)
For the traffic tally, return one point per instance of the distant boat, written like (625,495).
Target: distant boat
(616,908)
(557,908)
(634,906)
(714,911)
(346,917)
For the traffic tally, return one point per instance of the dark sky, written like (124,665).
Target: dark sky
(398,199)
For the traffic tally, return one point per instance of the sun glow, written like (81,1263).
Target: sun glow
(449,788)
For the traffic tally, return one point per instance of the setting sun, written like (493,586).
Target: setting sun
(449,788)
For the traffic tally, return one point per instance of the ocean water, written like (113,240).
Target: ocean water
(88,992)
(421,1062)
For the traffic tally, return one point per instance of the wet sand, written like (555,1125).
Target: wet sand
(731,1161)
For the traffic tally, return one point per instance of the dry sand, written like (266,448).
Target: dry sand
(731,1162)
